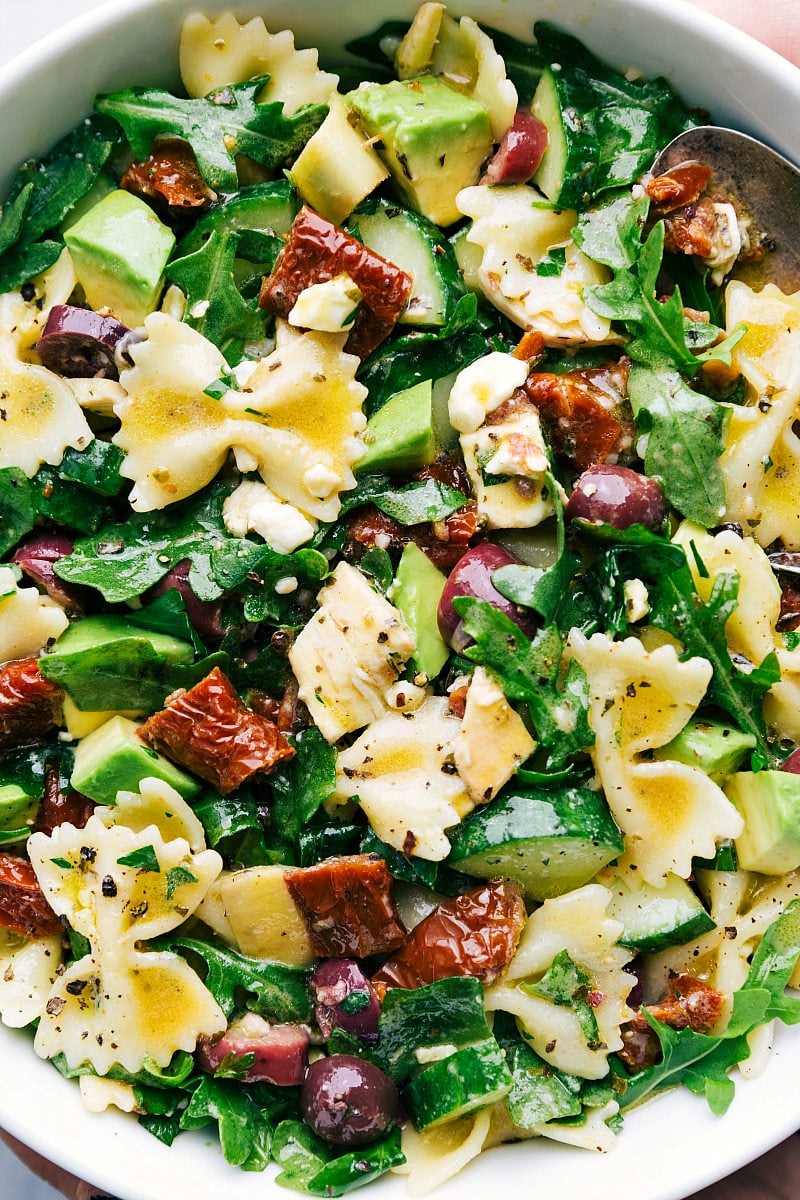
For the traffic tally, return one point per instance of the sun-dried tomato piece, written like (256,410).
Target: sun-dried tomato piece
(461,526)
(529,347)
(689,1003)
(682,184)
(23,907)
(449,470)
(171,176)
(209,730)
(61,808)
(475,934)
(691,230)
(30,705)
(348,907)
(316,250)
(369,527)
(457,700)
(586,413)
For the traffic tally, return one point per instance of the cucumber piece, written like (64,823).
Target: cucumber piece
(260,215)
(414,244)
(547,842)
(724,859)
(446,1090)
(569,163)
(655,918)
(469,258)
(538,1093)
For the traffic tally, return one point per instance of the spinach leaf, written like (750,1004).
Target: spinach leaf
(66,502)
(17,509)
(541,588)
(214,305)
(26,768)
(308,1164)
(271,989)
(225,123)
(701,1061)
(97,468)
(43,193)
(233,827)
(676,608)
(685,434)
(301,787)
(239,561)
(325,840)
(244,1135)
(377,563)
(411,504)
(531,671)
(167,614)
(611,232)
(437,1014)
(126,558)
(567,984)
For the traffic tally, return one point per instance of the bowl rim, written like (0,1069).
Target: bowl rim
(69,36)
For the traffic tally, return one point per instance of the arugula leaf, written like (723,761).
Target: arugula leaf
(327,839)
(542,588)
(227,122)
(530,671)
(243,1133)
(686,435)
(234,1066)
(611,232)
(144,859)
(676,608)
(310,1167)
(411,504)
(272,989)
(125,559)
(567,984)
(17,509)
(176,878)
(214,305)
(701,1061)
(301,787)
(553,263)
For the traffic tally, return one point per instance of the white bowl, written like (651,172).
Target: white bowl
(672,1146)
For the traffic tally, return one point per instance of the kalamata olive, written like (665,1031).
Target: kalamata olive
(205,615)
(347,1101)
(38,555)
(344,999)
(472,576)
(280,1052)
(617,496)
(792,763)
(520,151)
(635,968)
(80,343)
(786,565)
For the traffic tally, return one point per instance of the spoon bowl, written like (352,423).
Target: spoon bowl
(764,185)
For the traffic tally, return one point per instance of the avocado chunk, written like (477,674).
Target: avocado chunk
(17,813)
(770,804)
(714,747)
(399,436)
(115,759)
(337,167)
(119,249)
(434,140)
(417,590)
(111,663)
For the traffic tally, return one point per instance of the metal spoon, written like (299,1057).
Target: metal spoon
(766,187)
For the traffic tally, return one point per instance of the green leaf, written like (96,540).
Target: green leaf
(449,1012)
(271,989)
(611,233)
(124,559)
(176,878)
(305,1170)
(531,671)
(224,124)
(214,305)
(12,218)
(17,509)
(25,262)
(411,504)
(685,439)
(233,827)
(701,1061)
(538,1092)
(97,468)
(234,1066)
(144,859)
(567,984)
(377,564)
(167,614)
(302,786)
(553,263)
(243,1133)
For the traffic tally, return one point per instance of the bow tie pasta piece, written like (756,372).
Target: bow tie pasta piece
(120,1003)
(761,463)
(750,630)
(28,971)
(402,770)
(669,812)
(215,53)
(40,415)
(298,422)
(515,234)
(28,620)
(156,803)
(440,1153)
(577,923)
